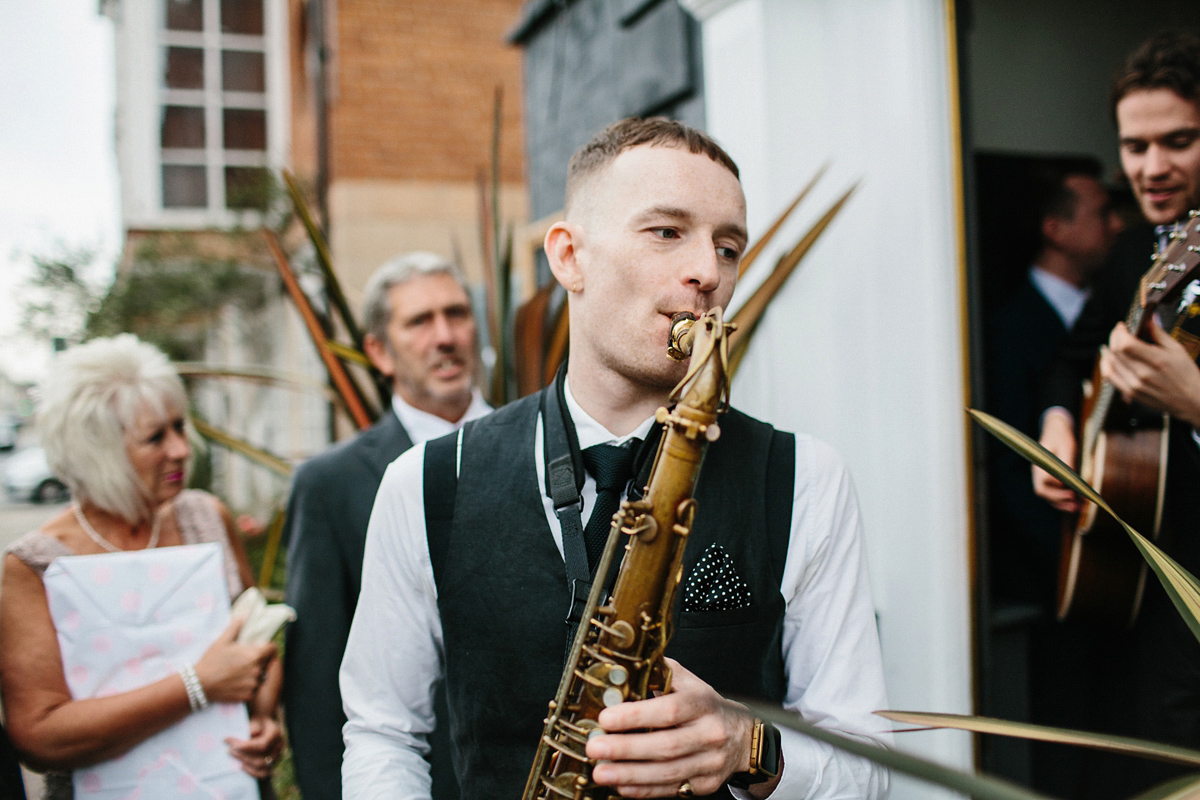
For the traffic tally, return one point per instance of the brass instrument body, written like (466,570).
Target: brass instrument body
(617,655)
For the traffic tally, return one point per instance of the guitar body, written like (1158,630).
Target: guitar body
(1101,574)
(1123,455)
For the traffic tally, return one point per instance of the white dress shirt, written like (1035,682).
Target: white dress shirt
(422,426)
(1064,297)
(394,655)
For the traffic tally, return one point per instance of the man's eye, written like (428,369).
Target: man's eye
(730,253)
(1181,142)
(1135,147)
(666,233)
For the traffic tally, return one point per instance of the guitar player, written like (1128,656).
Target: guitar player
(1156,105)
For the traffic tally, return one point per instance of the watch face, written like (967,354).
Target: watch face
(768,762)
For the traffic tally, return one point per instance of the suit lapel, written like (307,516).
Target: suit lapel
(384,441)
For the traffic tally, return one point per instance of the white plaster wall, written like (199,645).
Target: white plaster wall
(864,347)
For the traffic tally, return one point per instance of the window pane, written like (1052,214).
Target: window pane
(183,127)
(242,16)
(184,187)
(185,15)
(243,71)
(245,129)
(247,187)
(185,68)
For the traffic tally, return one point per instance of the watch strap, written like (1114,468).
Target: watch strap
(764,756)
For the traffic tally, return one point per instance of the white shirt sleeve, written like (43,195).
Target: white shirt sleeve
(830,639)
(393,658)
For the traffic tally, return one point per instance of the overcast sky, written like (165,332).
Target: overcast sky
(58,182)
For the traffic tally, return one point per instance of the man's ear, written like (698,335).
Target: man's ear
(1051,228)
(562,249)
(378,353)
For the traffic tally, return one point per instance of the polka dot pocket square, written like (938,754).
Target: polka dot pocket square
(714,585)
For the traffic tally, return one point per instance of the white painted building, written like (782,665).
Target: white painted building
(202,116)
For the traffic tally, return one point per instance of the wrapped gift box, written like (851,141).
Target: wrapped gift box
(126,620)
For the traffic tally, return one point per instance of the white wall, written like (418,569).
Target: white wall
(864,346)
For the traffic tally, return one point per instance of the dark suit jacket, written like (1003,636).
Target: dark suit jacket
(1021,337)
(326,529)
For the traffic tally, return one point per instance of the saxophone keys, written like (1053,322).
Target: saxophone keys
(612,697)
(712,432)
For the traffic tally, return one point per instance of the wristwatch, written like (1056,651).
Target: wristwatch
(764,757)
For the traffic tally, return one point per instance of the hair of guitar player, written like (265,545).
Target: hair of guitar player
(1167,60)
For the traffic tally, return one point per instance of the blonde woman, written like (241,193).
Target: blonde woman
(112,419)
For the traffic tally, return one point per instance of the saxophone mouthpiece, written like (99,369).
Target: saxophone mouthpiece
(679,341)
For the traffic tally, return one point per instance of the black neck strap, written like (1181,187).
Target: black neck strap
(564,479)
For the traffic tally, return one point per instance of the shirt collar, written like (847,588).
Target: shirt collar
(1065,298)
(423,426)
(590,432)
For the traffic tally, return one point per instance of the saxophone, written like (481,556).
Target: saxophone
(617,654)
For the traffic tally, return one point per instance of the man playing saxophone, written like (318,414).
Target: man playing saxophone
(480,543)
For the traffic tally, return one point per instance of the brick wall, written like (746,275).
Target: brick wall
(413,88)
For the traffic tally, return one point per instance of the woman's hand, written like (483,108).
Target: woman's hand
(259,753)
(230,672)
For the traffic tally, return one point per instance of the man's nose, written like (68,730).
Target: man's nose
(702,270)
(1157,162)
(443,330)
(1115,223)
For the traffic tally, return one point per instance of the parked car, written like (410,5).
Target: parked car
(8,431)
(27,476)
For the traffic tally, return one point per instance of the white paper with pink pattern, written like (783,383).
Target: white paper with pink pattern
(125,620)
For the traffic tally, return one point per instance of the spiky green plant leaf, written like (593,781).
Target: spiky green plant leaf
(1043,733)
(980,787)
(756,249)
(242,447)
(1181,586)
(1185,788)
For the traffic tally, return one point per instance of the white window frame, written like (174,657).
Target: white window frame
(142,42)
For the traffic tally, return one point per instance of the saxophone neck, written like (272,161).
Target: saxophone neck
(705,387)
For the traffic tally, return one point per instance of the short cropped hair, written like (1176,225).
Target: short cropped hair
(377,305)
(1052,196)
(632,132)
(1167,60)
(86,409)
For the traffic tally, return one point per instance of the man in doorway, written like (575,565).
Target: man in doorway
(1156,104)
(420,333)
(655,224)
(1077,227)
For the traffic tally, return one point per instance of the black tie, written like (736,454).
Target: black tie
(612,467)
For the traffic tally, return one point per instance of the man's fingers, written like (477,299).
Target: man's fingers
(701,769)
(666,711)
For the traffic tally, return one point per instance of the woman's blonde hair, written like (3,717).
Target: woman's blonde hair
(88,405)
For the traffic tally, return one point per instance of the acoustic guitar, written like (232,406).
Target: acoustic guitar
(1123,454)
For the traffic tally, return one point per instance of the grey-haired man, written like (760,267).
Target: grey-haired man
(420,332)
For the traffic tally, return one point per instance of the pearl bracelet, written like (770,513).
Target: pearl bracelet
(197,699)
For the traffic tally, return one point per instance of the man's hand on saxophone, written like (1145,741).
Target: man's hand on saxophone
(690,736)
